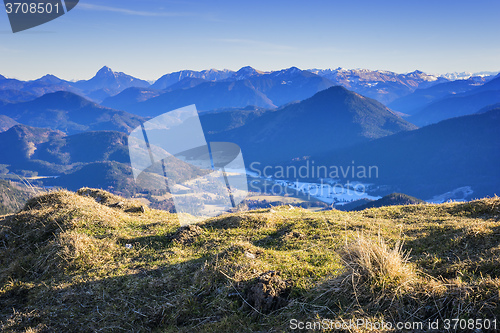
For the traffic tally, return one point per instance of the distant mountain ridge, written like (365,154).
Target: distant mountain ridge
(6,123)
(130,96)
(20,143)
(69,113)
(466,103)
(410,104)
(209,75)
(18,89)
(268,90)
(110,82)
(466,75)
(99,158)
(12,96)
(206,96)
(454,153)
(382,85)
(105,83)
(332,118)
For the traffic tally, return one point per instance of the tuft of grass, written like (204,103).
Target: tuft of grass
(374,263)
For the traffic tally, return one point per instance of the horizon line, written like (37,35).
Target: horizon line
(478,73)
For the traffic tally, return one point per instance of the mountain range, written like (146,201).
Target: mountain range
(206,96)
(69,113)
(411,103)
(439,158)
(20,143)
(99,159)
(246,87)
(6,123)
(52,127)
(12,96)
(333,118)
(461,104)
(26,143)
(69,149)
(170,79)
(104,84)
(107,83)
(384,86)
(16,90)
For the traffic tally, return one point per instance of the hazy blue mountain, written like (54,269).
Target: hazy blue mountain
(20,142)
(94,158)
(384,86)
(489,108)
(84,147)
(455,106)
(130,96)
(281,87)
(70,113)
(246,73)
(333,118)
(466,75)
(227,119)
(99,95)
(246,87)
(421,97)
(209,75)
(188,82)
(108,175)
(11,95)
(51,79)
(106,83)
(206,96)
(6,123)
(289,85)
(51,152)
(98,158)
(107,78)
(454,153)
(36,87)
(459,105)
(134,95)
(493,84)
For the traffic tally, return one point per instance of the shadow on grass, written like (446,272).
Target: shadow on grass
(451,253)
(170,297)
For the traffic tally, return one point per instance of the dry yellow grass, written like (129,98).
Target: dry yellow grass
(74,262)
(373,262)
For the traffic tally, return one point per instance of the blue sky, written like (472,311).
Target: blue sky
(148,38)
